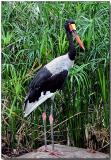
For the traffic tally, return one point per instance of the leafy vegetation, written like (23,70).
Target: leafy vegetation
(32,35)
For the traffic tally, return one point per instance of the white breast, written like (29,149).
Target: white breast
(59,64)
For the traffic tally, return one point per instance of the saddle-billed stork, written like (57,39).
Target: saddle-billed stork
(51,78)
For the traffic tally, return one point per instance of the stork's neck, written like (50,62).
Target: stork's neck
(72,50)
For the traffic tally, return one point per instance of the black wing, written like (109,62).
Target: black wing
(42,75)
(51,84)
(55,82)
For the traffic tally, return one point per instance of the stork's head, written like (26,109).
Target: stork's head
(71,27)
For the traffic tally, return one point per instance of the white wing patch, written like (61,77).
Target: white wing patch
(32,106)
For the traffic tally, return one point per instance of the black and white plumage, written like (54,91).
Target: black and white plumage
(46,82)
(51,77)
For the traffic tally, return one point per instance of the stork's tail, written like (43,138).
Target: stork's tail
(29,107)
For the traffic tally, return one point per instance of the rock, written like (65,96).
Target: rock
(65,152)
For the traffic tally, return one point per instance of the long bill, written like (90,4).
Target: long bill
(73,30)
(78,39)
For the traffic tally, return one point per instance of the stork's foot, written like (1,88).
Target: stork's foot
(91,150)
(56,153)
(43,149)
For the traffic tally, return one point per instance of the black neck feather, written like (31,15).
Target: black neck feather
(72,50)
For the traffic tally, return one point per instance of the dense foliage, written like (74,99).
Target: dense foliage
(32,35)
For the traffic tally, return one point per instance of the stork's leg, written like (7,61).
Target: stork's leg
(44,123)
(51,119)
(51,125)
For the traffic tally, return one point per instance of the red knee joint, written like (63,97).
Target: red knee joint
(51,119)
(44,116)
